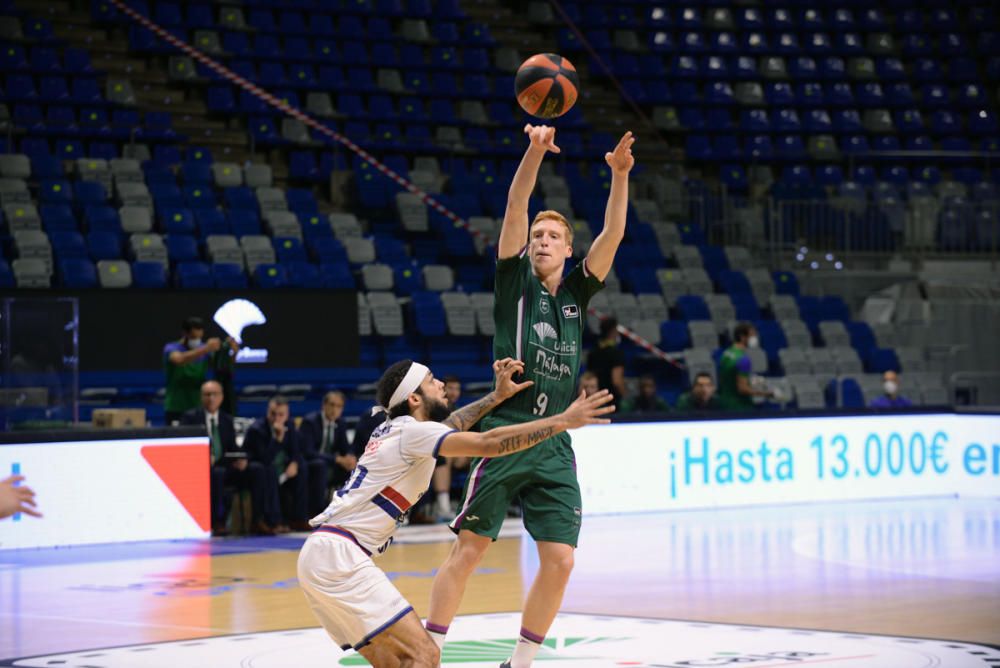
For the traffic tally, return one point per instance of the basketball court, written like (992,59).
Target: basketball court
(889,583)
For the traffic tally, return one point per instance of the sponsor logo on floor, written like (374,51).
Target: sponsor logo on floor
(584,641)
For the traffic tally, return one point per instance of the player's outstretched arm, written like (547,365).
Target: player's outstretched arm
(504,370)
(602,251)
(504,441)
(514,233)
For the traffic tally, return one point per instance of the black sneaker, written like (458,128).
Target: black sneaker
(505,664)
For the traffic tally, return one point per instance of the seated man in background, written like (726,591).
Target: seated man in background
(589,384)
(273,442)
(736,392)
(702,395)
(326,450)
(608,361)
(230,466)
(892,398)
(647,401)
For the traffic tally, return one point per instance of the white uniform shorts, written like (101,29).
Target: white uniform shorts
(351,596)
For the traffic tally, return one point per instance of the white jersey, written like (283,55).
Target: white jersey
(391,476)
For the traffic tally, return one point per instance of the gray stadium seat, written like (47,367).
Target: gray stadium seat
(257,249)
(94,169)
(749,93)
(861,69)
(482,304)
(699,360)
(345,225)
(208,42)
(148,247)
(773,68)
(703,334)
(224,248)
(688,257)
(10,28)
(784,307)
(296,132)
(878,121)
(412,212)
(758,360)
(666,118)
(22,216)
(426,181)
(627,40)
(652,307)
(487,229)
(32,243)
(599,303)
(126,170)
(697,281)
(133,194)
(672,284)
(114,274)
(738,257)
(319,104)
(834,333)
(387,315)
(259,176)
(359,250)
(438,277)
(761,283)
(822,362)
(459,314)
(721,308)
(794,361)
(181,69)
(227,174)
(15,166)
(136,219)
(647,209)
(473,111)
(885,334)
(14,191)
(232,18)
(649,330)
(377,277)
(720,18)
(364,316)
(32,272)
(823,148)
(796,333)
(268,198)
(935,396)
(847,360)
(507,59)
(625,308)
(911,359)
(416,30)
(390,80)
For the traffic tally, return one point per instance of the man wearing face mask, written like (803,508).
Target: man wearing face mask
(892,398)
(186,363)
(735,368)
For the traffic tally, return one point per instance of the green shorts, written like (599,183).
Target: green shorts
(542,478)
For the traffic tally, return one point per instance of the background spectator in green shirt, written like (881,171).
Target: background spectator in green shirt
(735,368)
(186,363)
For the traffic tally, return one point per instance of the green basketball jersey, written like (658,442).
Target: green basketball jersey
(542,330)
(734,363)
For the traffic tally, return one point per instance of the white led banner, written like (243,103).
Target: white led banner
(109,491)
(640,467)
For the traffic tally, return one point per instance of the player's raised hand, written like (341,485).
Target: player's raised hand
(542,136)
(588,410)
(504,371)
(620,160)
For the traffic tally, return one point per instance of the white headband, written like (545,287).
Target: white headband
(411,381)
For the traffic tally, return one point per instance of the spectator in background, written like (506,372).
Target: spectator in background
(735,368)
(273,442)
(369,421)
(608,361)
(15,499)
(326,450)
(588,383)
(647,401)
(891,397)
(230,466)
(186,363)
(452,391)
(441,481)
(701,397)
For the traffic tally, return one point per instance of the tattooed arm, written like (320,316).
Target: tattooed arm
(508,440)
(504,370)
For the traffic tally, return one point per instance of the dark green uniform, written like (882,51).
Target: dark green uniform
(546,333)
(734,363)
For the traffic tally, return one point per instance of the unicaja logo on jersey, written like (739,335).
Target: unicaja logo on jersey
(545,331)
(236,315)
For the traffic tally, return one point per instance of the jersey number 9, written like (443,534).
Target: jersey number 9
(541,403)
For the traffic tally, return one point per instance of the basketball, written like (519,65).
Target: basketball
(546,85)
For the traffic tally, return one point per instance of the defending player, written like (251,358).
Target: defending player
(539,320)
(354,600)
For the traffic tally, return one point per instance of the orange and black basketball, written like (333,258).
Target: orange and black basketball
(546,85)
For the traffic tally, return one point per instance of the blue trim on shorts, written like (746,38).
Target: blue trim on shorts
(437,447)
(340,531)
(399,615)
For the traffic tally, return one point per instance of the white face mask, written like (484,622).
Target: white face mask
(194,343)
(753,342)
(890,387)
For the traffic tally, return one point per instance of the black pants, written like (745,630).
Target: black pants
(324,473)
(252,478)
(290,501)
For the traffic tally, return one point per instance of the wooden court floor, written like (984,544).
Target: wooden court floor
(927,568)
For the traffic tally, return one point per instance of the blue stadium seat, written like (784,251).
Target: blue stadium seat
(228,276)
(270,276)
(674,336)
(693,307)
(181,247)
(151,275)
(68,244)
(78,273)
(194,275)
(104,245)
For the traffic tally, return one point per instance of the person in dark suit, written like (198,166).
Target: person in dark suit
(273,442)
(230,466)
(327,452)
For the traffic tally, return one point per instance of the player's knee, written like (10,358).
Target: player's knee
(470,553)
(561,562)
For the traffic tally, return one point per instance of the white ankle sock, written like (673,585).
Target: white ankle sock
(443,502)
(525,650)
